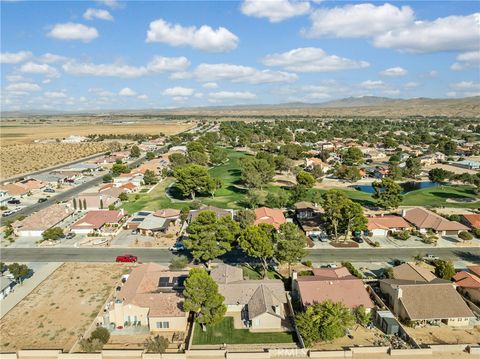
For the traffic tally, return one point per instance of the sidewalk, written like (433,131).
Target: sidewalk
(20,291)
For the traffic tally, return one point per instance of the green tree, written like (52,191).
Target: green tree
(74,200)
(202,297)
(19,271)
(245,217)
(348,173)
(362,317)
(53,233)
(210,237)
(218,156)
(444,269)
(177,159)
(412,167)
(178,262)
(291,243)
(195,146)
(439,175)
(192,179)
(333,202)
(90,346)
(305,179)
(352,156)
(388,193)
(279,199)
(135,152)
(149,177)
(256,172)
(107,178)
(252,198)
(199,158)
(156,344)
(150,156)
(119,168)
(123,197)
(353,218)
(101,334)
(257,243)
(324,321)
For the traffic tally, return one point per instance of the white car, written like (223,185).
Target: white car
(331,265)
(177,247)
(430,257)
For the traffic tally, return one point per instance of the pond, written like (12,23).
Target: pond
(407,186)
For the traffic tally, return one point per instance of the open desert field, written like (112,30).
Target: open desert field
(20,133)
(59,309)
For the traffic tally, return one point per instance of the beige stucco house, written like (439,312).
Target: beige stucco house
(151,296)
(260,305)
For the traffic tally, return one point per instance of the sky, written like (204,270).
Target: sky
(106,55)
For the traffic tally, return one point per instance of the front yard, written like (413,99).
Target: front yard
(225,333)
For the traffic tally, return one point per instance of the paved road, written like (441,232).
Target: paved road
(164,256)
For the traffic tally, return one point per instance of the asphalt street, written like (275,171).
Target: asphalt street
(470,254)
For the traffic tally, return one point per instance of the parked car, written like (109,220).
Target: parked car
(13,201)
(49,190)
(43,199)
(430,257)
(331,265)
(323,237)
(70,235)
(127,258)
(17,209)
(7,213)
(358,239)
(177,247)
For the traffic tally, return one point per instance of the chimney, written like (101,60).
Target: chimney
(294,275)
(404,212)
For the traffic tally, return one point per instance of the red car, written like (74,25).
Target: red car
(127,258)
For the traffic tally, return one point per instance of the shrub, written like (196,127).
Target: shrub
(156,344)
(91,346)
(464,235)
(354,271)
(178,262)
(308,263)
(476,232)
(402,235)
(101,334)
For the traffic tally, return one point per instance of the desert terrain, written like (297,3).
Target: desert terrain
(61,308)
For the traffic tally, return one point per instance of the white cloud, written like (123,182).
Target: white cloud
(359,20)
(112,70)
(275,10)
(466,60)
(182,75)
(410,85)
(311,59)
(430,74)
(41,69)
(450,33)
(178,91)
(23,87)
(394,72)
(372,84)
(54,94)
(239,73)
(168,64)
(142,97)
(228,95)
(14,57)
(210,85)
(15,78)
(101,92)
(100,14)
(465,86)
(52,58)
(114,4)
(73,31)
(128,92)
(203,38)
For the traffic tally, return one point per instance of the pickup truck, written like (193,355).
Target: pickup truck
(127,258)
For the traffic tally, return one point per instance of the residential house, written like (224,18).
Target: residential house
(432,159)
(260,305)
(273,216)
(91,201)
(425,220)
(475,269)
(334,284)
(379,172)
(15,190)
(158,221)
(469,285)
(413,272)
(309,218)
(468,164)
(74,139)
(32,184)
(38,222)
(111,191)
(325,146)
(373,154)
(151,297)
(135,178)
(101,222)
(471,220)
(385,225)
(219,212)
(312,162)
(178,149)
(128,187)
(425,303)
(4,197)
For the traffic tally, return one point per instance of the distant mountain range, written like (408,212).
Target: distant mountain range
(361,106)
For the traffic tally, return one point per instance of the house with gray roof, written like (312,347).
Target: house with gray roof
(260,305)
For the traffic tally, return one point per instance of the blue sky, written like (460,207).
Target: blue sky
(79,55)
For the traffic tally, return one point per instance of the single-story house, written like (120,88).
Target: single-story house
(32,184)
(158,221)
(432,159)
(273,216)
(420,302)
(38,222)
(219,212)
(334,284)
(103,222)
(135,178)
(471,220)
(312,162)
(260,305)
(151,297)
(6,285)
(475,269)
(15,190)
(4,197)
(423,220)
(385,225)
(309,218)
(469,285)
(413,272)
(92,201)
(468,164)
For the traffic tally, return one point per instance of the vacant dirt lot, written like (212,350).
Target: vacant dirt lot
(454,169)
(27,133)
(361,337)
(445,335)
(61,308)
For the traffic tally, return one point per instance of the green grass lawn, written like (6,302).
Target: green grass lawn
(437,197)
(257,273)
(224,332)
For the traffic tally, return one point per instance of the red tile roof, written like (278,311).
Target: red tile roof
(97,219)
(473,219)
(273,216)
(387,222)
(475,269)
(423,218)
(466,280)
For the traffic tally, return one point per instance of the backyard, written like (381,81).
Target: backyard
(224,333)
